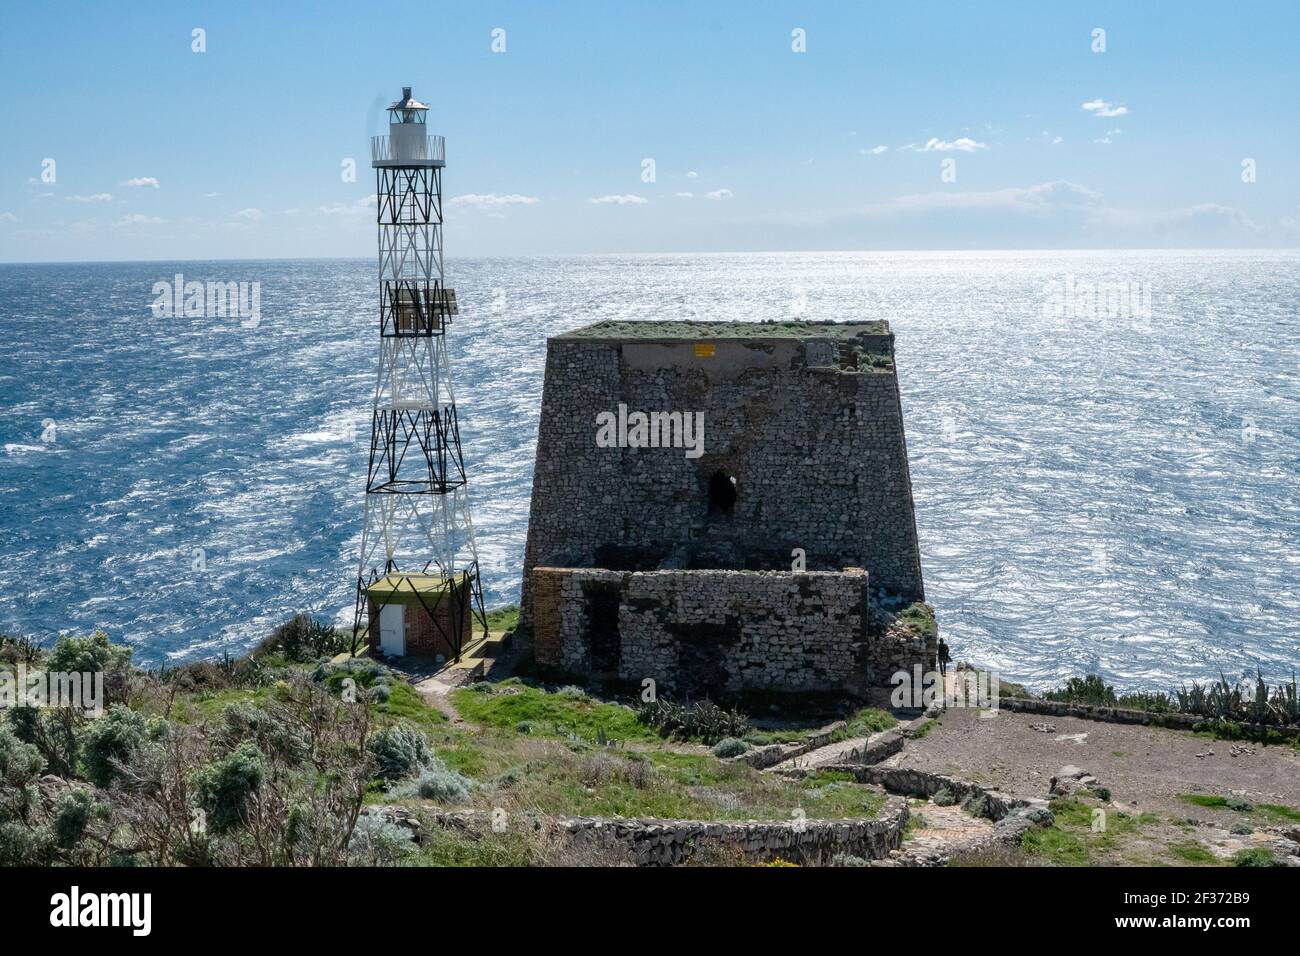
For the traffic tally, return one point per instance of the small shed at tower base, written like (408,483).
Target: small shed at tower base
(419,615)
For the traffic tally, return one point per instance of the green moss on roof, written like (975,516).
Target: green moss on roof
(647,329)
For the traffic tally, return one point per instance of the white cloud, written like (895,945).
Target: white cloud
(1100,107)
(149,181)
(875,150)
(626,200)
(211,195)
(719,194)
(8,217)
(1032,199)
(962,144)
(360,207)
(93,197)
(685,195)
(1058,140)
(493,200)
(137,219)
(251,214)
(692,175)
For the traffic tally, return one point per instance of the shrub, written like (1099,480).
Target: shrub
(944,797)
(15,648)
(703,720)
(111,740)
(20,765)
(73,812)
(225,785)
(1242,829)
(273,735)
(977,806)
(303,638)
(1102,794)
(399,751)
(378,842)
(437,783)
(1238,804)
(75,655)
(729,747)
(1040,817)
(571,692)
(52,732)
(1084,690)
(847,859)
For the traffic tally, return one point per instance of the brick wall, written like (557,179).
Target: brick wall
(423,637)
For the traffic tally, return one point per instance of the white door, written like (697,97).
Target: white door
(392,630)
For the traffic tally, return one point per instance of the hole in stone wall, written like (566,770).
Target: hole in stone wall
(603,639)
(722,493)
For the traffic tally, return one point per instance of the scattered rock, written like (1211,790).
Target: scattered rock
(1043,728)
(1070,779)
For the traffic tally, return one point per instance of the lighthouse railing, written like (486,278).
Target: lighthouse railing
(382,150)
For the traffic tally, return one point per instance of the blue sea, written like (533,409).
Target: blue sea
(1105,446)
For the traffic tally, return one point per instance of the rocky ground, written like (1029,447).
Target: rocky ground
(1184,798)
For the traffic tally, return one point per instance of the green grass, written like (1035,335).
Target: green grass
(449,848)
(511,703)
(919,619)
(1062,847)
(1071,841)
(1204,800)
(1192,852)
(503,618)
(924,729)
(1288,814)
(870,720)
(405,701)
(1213,801)
(1256,856)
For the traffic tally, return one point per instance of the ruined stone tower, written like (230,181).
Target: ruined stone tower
(723,507)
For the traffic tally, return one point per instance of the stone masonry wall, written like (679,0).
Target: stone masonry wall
(703,633)
(813,440)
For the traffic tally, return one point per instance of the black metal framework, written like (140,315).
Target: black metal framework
(415,451)
(409,195)
(410,307)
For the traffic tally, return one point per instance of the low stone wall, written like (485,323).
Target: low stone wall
(1121,715)
(669,842)
(769,755)
(653,842)
(921,783)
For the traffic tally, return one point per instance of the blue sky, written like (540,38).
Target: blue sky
(161,152)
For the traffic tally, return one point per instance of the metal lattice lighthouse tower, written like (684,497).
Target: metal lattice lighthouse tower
(417,549)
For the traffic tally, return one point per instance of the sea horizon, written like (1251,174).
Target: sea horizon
(1073,476)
